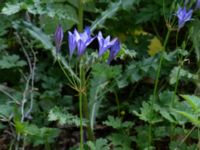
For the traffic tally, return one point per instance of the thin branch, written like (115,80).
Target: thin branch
(32,79)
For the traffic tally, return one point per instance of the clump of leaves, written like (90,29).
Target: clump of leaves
(33,134)
(120,139)
(63,117)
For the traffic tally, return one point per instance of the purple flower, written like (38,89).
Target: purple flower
(104,44)
(183,16)
(83,40)
(114,49)
(198,4)
(58,37)
(71,42)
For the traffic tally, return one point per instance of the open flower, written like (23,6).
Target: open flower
(83,40)
(104,44)
(114,49)
(58,37)
(183,16)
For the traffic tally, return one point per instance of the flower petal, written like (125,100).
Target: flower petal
(58,37)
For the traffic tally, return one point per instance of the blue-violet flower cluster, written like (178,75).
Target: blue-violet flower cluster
(80,41)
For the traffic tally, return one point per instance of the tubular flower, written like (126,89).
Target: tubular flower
(183,16)
(58,37)
(83,40)
(72,42)
(104,44)
(198,4)
(114,49)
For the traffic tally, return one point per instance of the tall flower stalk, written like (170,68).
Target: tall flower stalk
(80,40)
(82,76)
(81,97)
(157,81)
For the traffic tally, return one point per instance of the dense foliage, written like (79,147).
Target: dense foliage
(137,89)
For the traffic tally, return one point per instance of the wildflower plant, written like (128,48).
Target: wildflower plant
(78,43)
(141,94)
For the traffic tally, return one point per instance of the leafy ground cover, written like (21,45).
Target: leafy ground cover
(99,75)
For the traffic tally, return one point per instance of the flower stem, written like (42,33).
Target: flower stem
(81,107)
(156,83)
(86,115)
(150,136)
(160,66)
(82,76)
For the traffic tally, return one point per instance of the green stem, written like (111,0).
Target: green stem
(86,115)
(159,67)
(173,100)
(85,103)
(156,82)
(150,136)
(175,88)
(80,16)
(176,85)
(72,83)
(155,30)
(81,94)
(187,135)
(177,33)
(81,121)
(117,102)
(47,146)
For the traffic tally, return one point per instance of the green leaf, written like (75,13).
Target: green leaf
(117,123)
(141,134)
(127,4)
(110,12)
(120,141)
(11,9)
(193,101)
(183,74)
(99,144)
(34,134)
(6,111)
(164,103)
(113,122)
(195,36)
(175,145)
(148,114)
(148,13)
(38,34)
(193,118)
(63,117)
(102,74)
(11,61)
